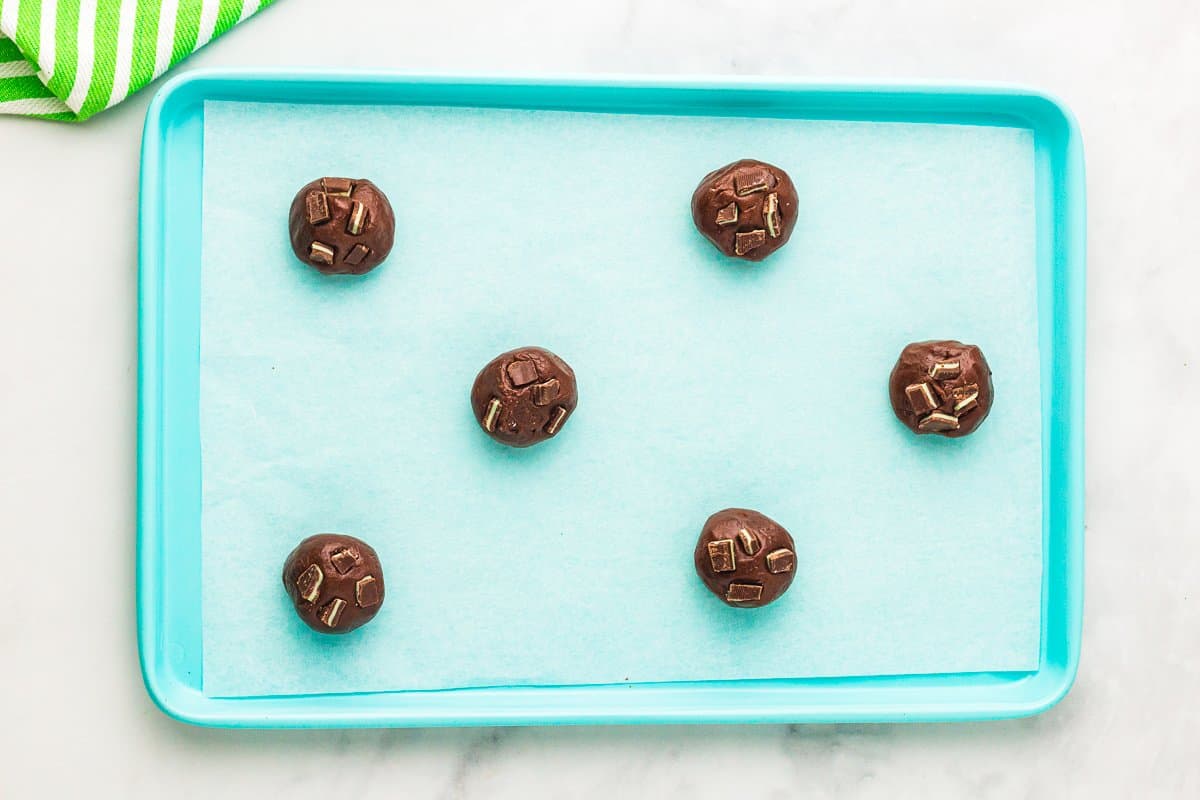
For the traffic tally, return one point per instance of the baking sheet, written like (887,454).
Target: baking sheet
(341,404)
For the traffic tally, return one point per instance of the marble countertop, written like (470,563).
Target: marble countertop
(77,716)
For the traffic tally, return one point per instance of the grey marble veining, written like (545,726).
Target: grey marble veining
(77,717)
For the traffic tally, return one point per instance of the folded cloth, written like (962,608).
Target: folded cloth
(68,59)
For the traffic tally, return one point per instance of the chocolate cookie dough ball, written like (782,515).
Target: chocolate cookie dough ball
(746,558)
(341,226)
(942,387)
(747,209)
(335,582)
(524,396)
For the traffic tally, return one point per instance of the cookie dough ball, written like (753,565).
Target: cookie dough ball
(335,582)
(942,387)
(341,226)
(745,558)
(524,396)
(747,209)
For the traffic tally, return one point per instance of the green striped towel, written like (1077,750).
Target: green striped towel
(68,59)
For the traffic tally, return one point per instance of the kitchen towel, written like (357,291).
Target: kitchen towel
(69,59)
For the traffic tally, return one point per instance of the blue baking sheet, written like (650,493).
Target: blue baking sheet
(341,404)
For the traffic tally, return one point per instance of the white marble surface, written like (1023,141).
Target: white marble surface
(76,716)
